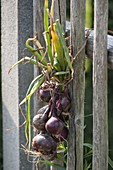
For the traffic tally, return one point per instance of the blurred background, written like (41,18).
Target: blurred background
(88,94)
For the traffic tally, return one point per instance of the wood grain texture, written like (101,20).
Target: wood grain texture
(59,13)
(75,143)
(38,11)
(100,113)
(89,45)
(38,7)
(89,48)
(16,27)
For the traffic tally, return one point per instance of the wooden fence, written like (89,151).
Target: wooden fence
(19,20)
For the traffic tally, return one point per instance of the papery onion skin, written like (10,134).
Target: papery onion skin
(38,122)
(44,94)
(44,144)
(63,135)
(54,125)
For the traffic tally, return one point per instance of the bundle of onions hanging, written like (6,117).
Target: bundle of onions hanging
(51,85)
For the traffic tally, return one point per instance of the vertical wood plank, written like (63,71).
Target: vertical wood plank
(38,10)
(17,19)
(9,96)
(100,120)
(38,7)
(59,13)
(76,135)
(25,72)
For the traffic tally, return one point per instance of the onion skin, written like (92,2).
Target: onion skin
(65,104)
(63,135)
(42,109)
(54,125)
(39,120)
(50,120)
(59,106)
(44,144)
(44,94)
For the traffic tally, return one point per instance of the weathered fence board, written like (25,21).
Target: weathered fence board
(38,11)
(38,23)
(89,48)
(59,13)
(75,143)
(89,45)
(17,19)
(100,113)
